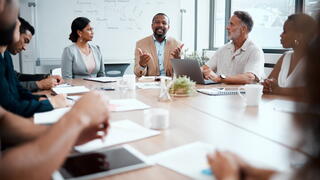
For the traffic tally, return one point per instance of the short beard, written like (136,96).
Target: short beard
(159,36)
(6,35)
(235,35)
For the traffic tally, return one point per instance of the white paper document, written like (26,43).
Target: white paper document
(102,79)
(50,117)
(148,85)
(70,90)
(288,106)
(120,132)
(189,160)
(117,105)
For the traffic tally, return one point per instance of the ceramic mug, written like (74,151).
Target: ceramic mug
(253,94)
(156,118)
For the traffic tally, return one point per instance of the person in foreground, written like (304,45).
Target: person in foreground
(153,53)
(229,166)
(81,59)
(41,150)
(32,82)
(240,61)
(14,97)
(286,77)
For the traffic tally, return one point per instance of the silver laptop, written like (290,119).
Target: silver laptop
(191,69)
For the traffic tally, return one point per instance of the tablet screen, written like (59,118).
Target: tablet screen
(97,162)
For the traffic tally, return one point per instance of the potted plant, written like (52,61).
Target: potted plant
(182,86)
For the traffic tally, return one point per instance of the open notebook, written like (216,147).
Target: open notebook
(220,91)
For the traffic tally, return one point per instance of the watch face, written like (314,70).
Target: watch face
(222,76)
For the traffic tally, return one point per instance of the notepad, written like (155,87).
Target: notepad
(120,132)
(219,91)
(102,79)
(70,90)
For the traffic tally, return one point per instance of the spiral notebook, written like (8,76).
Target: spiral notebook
(220,91)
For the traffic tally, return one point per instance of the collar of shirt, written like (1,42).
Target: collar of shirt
(241,49)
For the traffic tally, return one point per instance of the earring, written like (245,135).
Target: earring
(296,42)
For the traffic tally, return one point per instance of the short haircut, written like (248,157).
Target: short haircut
(160,14)
(245,18)
(304,24)
(78,24)
(25,26)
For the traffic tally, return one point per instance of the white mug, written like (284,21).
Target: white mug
(253,94)
(131,81)
(156,118)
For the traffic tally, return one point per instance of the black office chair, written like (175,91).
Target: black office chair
(115,70)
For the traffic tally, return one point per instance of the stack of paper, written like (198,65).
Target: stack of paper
(120,132)
(70,90)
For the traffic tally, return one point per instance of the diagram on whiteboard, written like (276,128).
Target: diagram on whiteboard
(116,14)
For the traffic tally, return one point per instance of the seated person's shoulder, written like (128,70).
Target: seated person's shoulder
(253,46)
(144,40)
(71,47)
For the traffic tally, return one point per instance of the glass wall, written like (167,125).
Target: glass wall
(269,17)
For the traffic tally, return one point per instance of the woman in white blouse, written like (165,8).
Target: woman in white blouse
(81,59)
(286,77)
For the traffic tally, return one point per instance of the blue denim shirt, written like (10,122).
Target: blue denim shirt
(160,53)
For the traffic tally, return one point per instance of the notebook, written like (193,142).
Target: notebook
(102,79)
(220,91)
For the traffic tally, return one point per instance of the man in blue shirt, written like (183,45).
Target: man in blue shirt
(153,53)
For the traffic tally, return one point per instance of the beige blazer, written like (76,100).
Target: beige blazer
(147,44)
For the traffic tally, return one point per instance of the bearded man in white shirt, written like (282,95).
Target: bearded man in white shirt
(240,61)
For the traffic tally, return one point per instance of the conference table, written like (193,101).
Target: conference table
(262,135)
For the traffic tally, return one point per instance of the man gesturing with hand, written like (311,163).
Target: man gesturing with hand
(153,54)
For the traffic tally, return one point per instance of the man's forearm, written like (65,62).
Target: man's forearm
(45,154)
(15,129)
(246,78)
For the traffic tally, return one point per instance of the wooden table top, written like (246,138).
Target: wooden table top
(259,133)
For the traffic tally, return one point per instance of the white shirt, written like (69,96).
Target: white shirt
(248,58)
(295,79)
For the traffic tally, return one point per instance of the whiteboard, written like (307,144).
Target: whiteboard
(117,24)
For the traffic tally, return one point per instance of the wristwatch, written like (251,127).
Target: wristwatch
(222,76)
